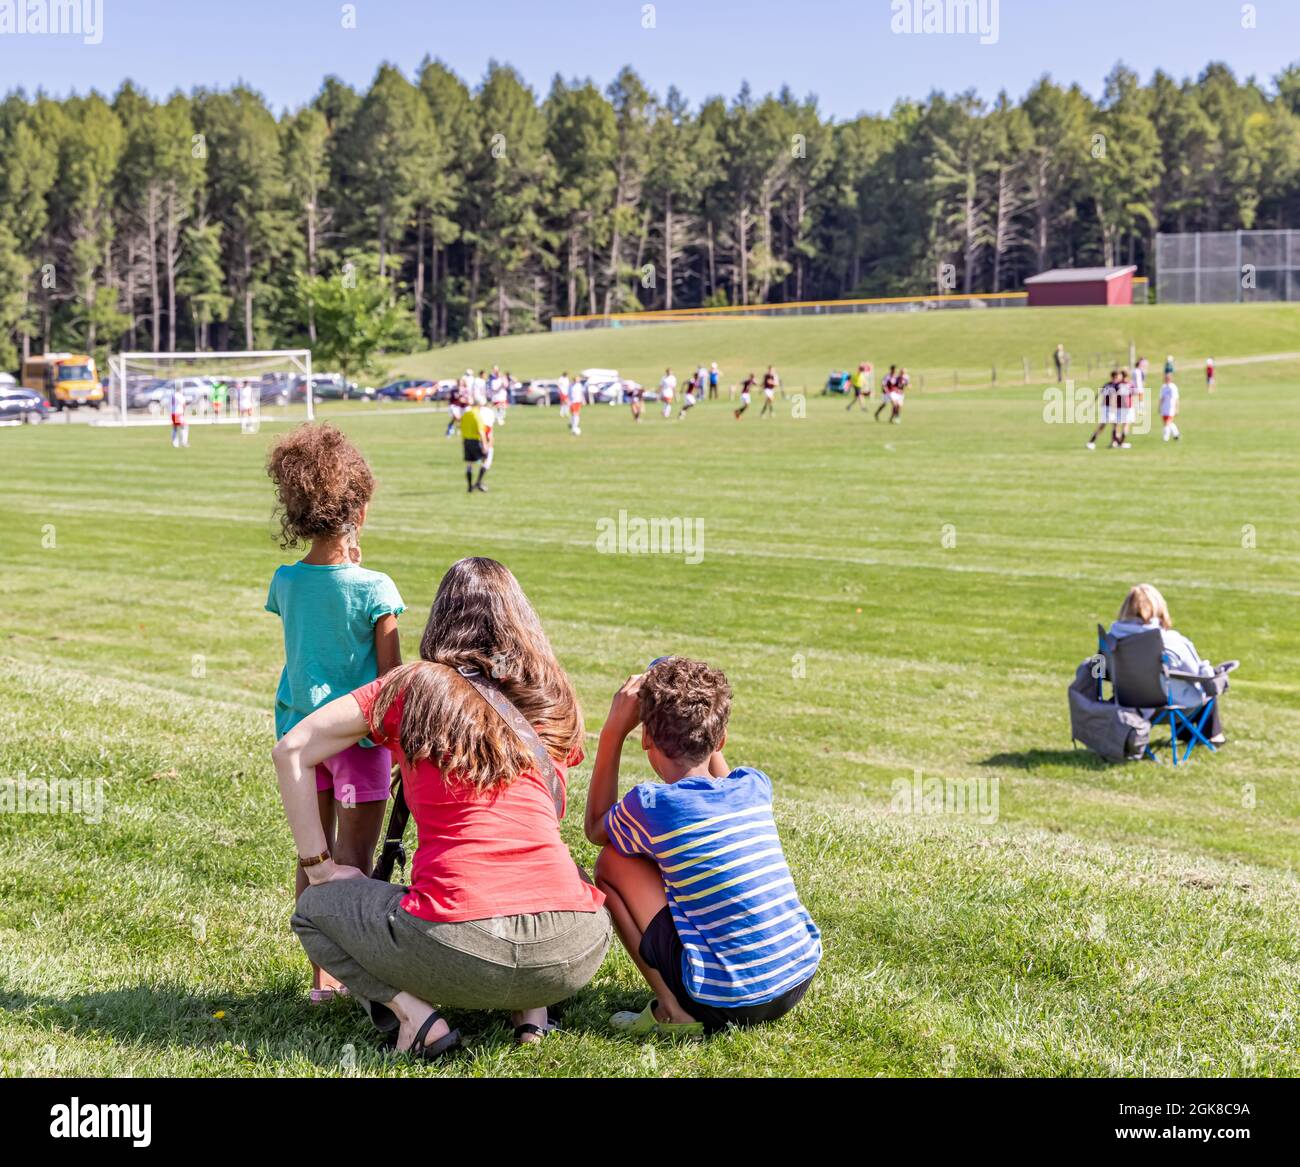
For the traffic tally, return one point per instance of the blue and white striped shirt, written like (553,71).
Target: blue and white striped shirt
(747,937)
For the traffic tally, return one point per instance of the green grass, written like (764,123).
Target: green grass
(1130,920)
(934,345)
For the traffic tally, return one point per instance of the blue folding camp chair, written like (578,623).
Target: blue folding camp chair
(1140,679)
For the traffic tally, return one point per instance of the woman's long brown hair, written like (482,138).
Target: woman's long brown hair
(481,619)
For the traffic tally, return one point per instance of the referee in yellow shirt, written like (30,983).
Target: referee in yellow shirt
(476,437)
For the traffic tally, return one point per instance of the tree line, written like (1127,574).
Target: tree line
(206,221)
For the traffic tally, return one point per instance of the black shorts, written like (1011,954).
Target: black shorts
(661,949)
(473,450)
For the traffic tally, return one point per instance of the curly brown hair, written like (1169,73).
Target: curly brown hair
(685,706)
(322,483)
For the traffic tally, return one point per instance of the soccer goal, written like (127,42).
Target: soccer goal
(219,388)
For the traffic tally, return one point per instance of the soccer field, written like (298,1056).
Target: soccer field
(889,602)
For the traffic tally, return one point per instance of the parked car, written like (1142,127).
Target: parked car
(274,388)
(538,393)
(610,392)
(407,389)
(333,387)
(22,405)
(324,386)
(197,390)
(837,383)
(150,394)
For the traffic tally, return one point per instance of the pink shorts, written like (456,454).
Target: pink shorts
(358,774)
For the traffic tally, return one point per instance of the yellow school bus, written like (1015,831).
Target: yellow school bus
(66,380)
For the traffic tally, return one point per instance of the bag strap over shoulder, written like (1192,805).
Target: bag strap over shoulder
(392,852)
(510,714)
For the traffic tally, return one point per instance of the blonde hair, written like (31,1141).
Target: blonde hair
(1145,605)
(481,619)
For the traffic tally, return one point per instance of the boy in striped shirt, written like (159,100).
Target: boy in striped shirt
(692,867)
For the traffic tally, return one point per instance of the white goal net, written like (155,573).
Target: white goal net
(218,388)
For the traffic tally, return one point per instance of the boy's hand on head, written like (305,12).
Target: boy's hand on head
(625,708)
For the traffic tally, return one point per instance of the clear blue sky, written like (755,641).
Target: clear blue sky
(841,50)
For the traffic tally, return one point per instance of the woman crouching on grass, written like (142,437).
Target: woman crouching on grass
(498,915)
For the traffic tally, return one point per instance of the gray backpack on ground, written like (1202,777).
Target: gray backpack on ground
(1109,730)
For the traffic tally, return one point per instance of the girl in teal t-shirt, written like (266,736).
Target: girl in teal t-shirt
(340,632)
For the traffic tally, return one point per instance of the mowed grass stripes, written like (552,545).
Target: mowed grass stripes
(889,602)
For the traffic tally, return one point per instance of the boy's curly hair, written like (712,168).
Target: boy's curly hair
(321,482)
(685,706)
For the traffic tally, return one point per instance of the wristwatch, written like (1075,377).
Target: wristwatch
(314,859)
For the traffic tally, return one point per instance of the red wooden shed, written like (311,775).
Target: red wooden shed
(1076,286)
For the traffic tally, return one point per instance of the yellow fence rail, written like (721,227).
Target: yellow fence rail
(954,300)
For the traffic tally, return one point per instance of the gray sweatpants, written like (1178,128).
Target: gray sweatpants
(357,931)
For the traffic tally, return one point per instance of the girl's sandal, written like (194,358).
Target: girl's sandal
(321,996)
(645,1023)
(444,1045)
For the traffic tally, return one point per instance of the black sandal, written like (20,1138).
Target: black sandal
(444,1045)
(530,1034)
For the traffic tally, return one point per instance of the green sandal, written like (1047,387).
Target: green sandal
(645,1023)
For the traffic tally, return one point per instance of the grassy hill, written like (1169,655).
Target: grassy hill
(889,602)
(932,344)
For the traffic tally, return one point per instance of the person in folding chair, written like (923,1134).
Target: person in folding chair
(1192,686)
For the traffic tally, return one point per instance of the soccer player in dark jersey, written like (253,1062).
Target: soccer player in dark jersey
(745,391)
(636,399)
(901,382)
(458,402)
(886,388)
(771,383)
(1108,413)
(1125,411)
(693,388)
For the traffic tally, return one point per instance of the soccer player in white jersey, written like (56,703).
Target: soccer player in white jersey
(499,388)
(667,391)
(180,425)
(562,385)
(1169,408)
(577,397)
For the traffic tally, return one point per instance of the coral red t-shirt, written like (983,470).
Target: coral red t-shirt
(478,856)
